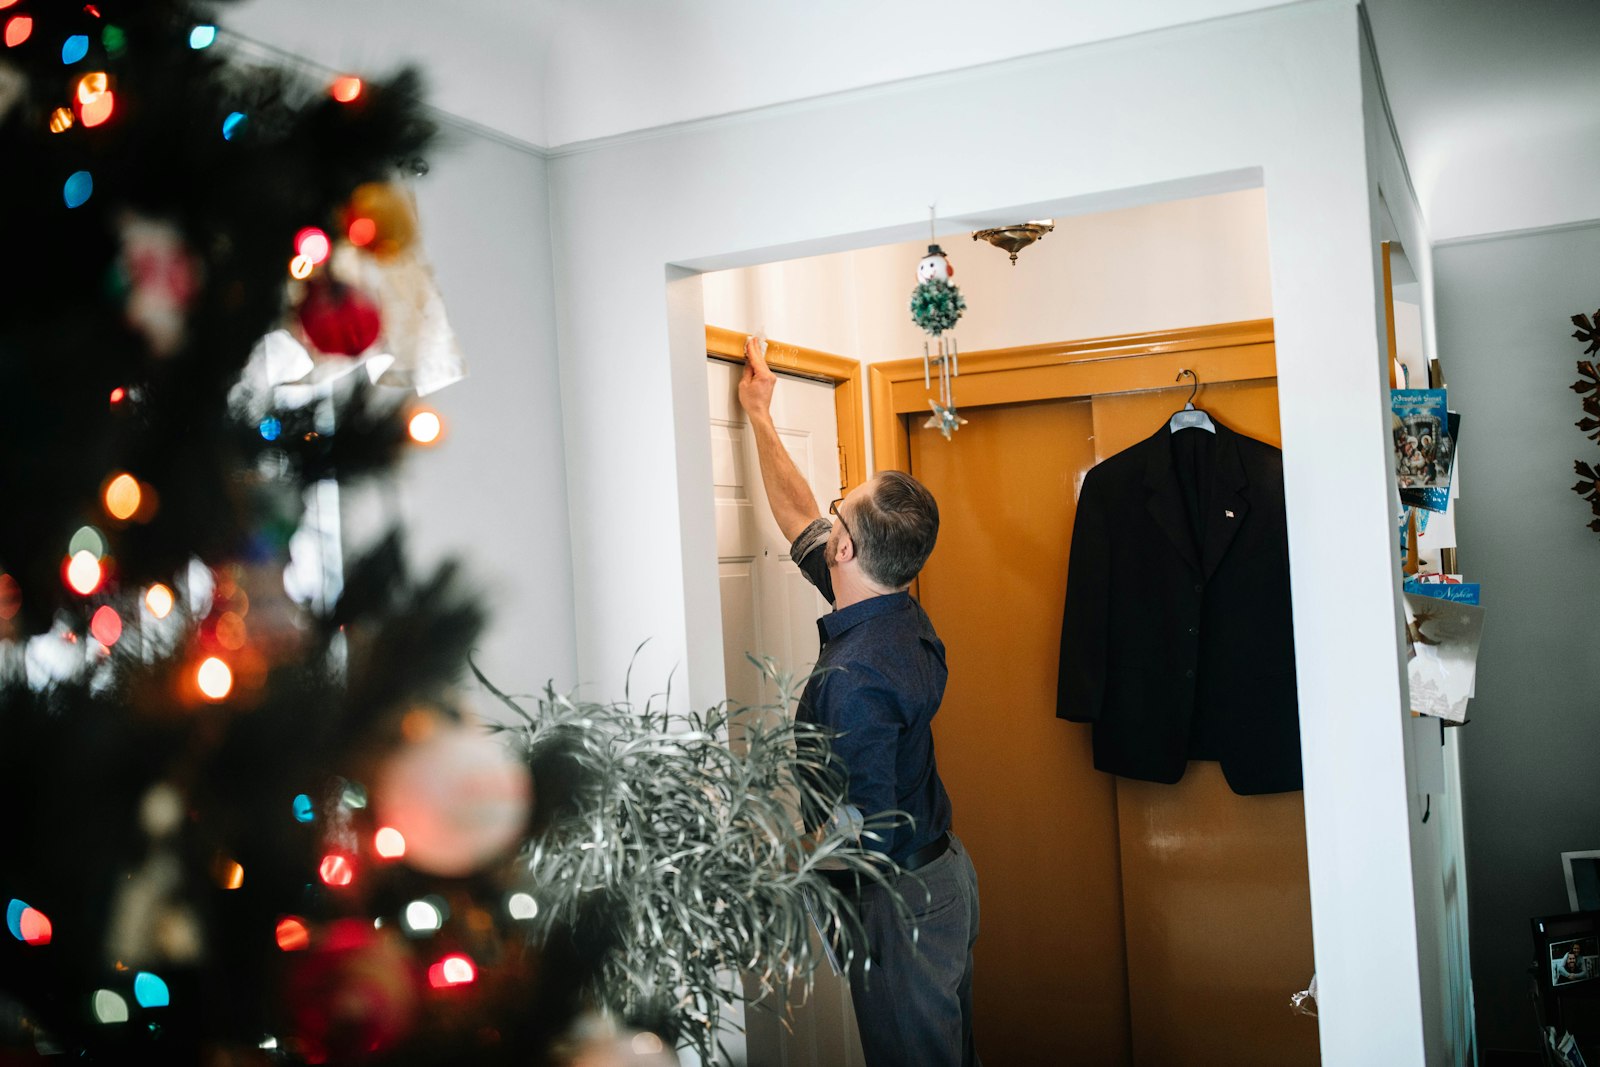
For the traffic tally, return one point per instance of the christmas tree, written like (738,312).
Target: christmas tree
(251,816)
(243,827)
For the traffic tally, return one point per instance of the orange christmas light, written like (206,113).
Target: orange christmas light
(158,599)
(61,120)
(122,496)
(346,90)
(92,85)
(362,231)
(425,427)
(214,678)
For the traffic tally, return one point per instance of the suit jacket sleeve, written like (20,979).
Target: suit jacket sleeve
(1080,687)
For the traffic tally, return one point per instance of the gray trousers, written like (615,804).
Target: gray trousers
(914,1004)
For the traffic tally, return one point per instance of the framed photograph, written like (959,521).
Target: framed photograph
(1567,948)
(1583,879)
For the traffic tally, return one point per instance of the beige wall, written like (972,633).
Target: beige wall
(1179,263)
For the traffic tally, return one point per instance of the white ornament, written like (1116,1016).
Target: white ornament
(458,797)
(934,265)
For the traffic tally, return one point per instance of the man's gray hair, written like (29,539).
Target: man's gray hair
(894,528)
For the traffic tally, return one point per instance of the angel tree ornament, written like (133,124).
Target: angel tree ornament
(936,306)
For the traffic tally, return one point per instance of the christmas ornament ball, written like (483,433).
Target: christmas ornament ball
(352,996)
(339,319)
(458,797)
(386,207)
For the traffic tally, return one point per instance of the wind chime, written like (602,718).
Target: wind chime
(936,305)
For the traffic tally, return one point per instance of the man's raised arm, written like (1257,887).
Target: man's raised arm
(788,494)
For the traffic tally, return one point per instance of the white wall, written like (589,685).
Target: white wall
(1508,352)
(1167,115)
(1439,890)
(555,72)
(632,65)
(1157,266)
(494,491)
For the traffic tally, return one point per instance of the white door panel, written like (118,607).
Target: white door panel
(769,609)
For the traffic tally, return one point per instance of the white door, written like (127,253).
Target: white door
(769,609)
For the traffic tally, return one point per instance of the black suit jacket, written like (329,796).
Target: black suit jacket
(1177,640)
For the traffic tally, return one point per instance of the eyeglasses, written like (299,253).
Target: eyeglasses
(833,509)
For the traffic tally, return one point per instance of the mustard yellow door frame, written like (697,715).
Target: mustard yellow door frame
(844,374)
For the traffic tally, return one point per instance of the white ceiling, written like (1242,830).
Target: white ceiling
(1497,101)
(1498,107)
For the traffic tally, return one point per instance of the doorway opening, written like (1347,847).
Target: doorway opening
(1124,921)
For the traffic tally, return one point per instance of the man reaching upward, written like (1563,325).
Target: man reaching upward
(880,678)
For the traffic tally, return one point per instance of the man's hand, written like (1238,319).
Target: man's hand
(793,506)
(757,382)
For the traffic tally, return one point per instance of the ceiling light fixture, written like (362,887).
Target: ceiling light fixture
(1014,239)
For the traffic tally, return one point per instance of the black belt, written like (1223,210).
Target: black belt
(927,853)
(850,883)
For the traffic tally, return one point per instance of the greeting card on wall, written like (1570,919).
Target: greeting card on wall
(1438,497)
(1443,636)
(1422,445)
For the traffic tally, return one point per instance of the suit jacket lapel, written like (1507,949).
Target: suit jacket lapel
(1165,502)
(1229,499)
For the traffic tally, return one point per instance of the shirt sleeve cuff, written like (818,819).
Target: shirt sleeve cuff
(810,538)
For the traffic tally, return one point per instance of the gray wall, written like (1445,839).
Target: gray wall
(494,492)
(1529,751)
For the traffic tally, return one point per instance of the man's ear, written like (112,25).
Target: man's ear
(845,551)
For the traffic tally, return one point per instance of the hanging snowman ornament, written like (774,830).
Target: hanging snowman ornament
(936,305)
(935,265)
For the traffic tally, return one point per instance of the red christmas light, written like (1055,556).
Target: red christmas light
(106,626)
(337,870)
(313,244)
(18,30)
(35,927)
(292,935)
(455,969)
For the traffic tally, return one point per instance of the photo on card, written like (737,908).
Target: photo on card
(1567,948)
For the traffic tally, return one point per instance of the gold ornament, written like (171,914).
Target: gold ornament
(380,218)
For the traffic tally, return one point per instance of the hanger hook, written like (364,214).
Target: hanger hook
(1192,392)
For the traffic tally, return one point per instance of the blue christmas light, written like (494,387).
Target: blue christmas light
(78,189)
(74,49)
(303,811)
(150,991)
(14,912)
(202,37)
(270,428)
(231,124)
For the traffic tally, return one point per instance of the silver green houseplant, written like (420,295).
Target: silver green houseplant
(678,842)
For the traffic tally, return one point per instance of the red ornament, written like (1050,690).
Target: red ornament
(353,996)
(339,319)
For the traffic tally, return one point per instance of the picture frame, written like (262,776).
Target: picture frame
(1582,871)
(1567,949)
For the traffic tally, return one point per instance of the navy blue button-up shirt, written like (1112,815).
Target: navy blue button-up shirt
(879,682)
